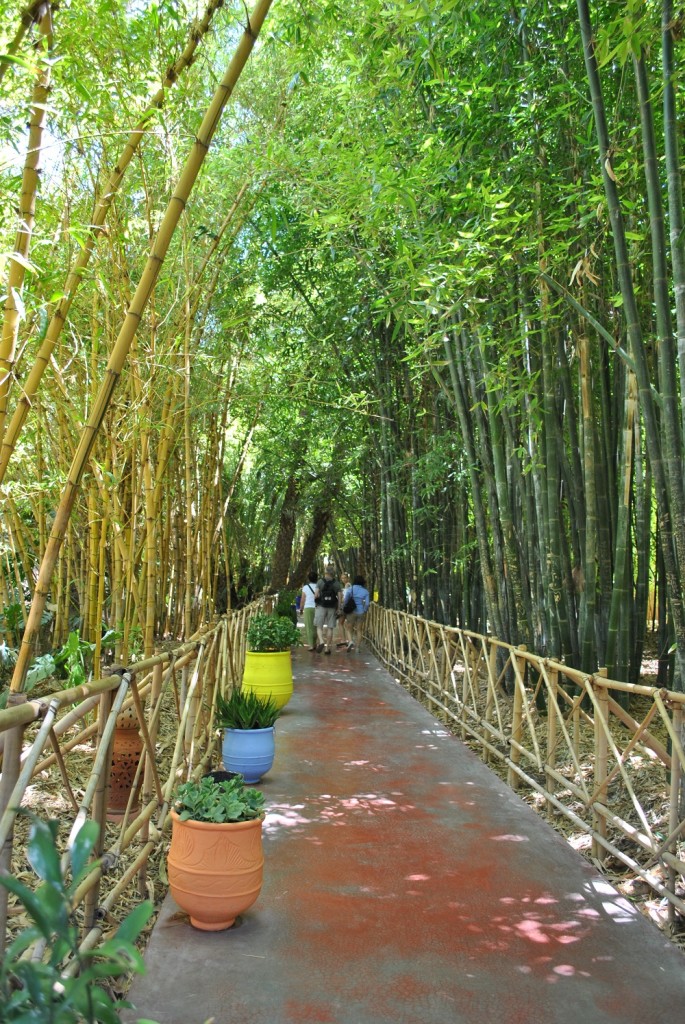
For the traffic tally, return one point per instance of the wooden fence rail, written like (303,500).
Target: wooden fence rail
(606,755)
(178,686)
(583,745)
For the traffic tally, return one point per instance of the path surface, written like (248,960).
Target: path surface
(405,883)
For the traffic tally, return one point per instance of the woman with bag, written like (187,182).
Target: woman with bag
(342,632)
(355,607)
(308,607)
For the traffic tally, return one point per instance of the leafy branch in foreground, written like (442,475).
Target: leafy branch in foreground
(40,991)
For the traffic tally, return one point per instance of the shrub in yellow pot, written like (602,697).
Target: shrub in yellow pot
(268,665)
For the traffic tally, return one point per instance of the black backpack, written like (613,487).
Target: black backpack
(329,595)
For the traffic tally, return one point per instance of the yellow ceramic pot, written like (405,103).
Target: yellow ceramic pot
(269,675)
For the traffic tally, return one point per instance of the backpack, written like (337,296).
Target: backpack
(350,603)
(329,596)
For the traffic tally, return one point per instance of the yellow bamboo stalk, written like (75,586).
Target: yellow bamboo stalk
(76,275)
(151,559)
(27,213)
(100,599)
(32,14)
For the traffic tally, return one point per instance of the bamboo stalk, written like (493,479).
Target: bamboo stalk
(552,709)
(11,769)
(14,799)
(102,774)
(101,763)
(128,330)
(601,759)
(77,273)
(27,212)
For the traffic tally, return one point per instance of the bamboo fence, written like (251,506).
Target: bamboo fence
(565,735)
(615,774)
(172,696)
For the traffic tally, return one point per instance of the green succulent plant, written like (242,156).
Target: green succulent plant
(218,802)
(269,633)
(243,709)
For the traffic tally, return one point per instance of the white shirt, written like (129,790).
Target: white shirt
(308,593)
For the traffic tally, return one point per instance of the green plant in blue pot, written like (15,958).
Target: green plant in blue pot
(249,743)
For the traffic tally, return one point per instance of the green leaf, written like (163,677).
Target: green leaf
(132,926)
(42,853)
(82,849)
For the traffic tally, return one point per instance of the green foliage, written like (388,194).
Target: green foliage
(245,710)
(286,604)
(12,621)
(8,659)
(41,668)
(269,633)
(73,658)
(218,802)
(37,992)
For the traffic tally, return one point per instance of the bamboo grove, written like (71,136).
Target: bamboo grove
(422,306)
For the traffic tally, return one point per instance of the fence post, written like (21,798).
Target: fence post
(490,698)
(99,811)
(466,680)
(11,766)
(153,729)
(552,708)
(674,811)
(513,779)
(601,759)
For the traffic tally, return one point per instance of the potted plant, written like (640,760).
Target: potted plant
(248,722)
(268,666)
(215,862)
(285,605)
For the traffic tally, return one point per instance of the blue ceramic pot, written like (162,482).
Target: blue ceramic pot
(249,752)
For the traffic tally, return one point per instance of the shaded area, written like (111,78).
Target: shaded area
(405,882)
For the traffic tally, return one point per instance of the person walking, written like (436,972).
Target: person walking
(354,621)
(308,607)
(343,638)
(328,603)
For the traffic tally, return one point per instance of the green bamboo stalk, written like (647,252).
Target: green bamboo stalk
(668,514)
(480,517)
(621,596)
(128,330)
(666,354)
(588,584)
(675,193)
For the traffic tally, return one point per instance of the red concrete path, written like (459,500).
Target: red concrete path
(405,883)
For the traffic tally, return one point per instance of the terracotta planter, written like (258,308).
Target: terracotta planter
(215,871)
(126,751)
(269,675)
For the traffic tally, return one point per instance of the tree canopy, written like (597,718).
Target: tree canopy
(422,310)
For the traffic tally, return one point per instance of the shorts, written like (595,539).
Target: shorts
(325,617)
(355,618)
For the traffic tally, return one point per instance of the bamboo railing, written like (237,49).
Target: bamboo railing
(615,770)
(175,689)
(565,735)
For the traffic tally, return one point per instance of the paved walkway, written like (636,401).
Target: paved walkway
(405,883)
